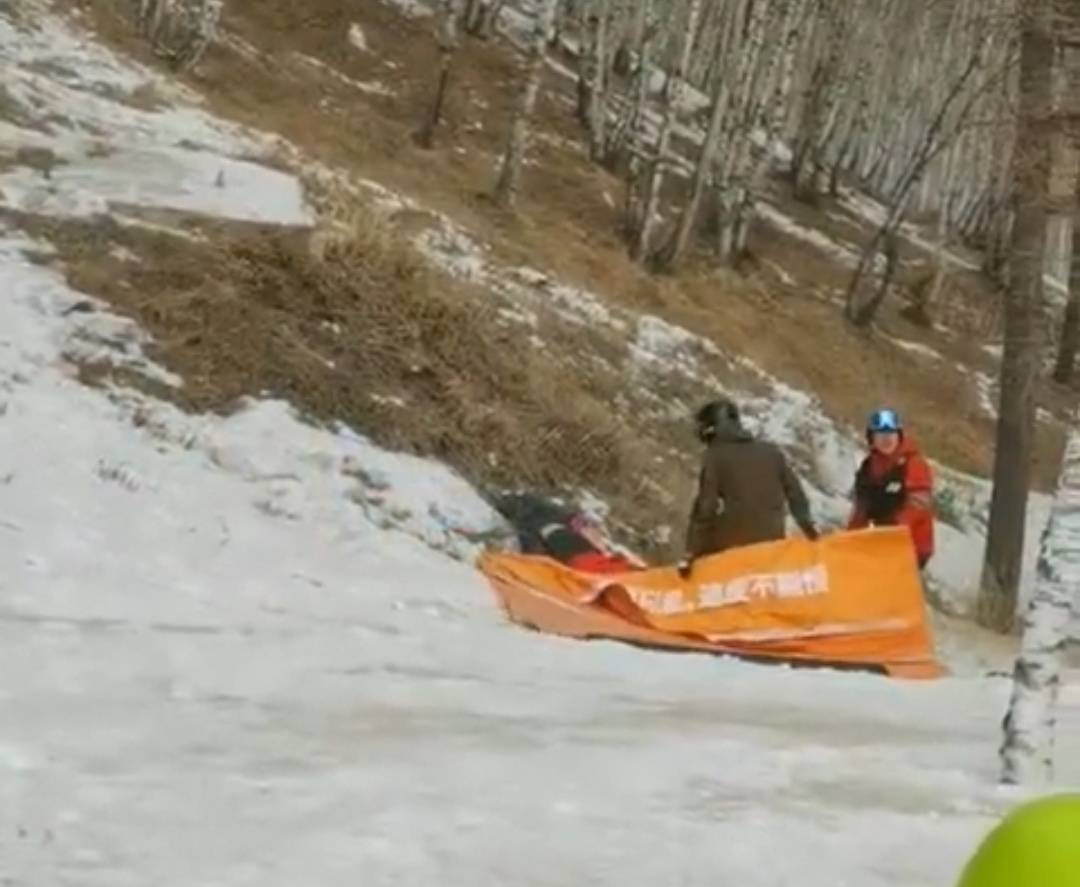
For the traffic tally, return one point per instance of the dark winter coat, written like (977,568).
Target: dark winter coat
(744,491)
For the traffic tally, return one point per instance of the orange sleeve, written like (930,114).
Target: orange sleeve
(918,512)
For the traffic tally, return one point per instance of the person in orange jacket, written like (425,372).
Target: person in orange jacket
(894,484)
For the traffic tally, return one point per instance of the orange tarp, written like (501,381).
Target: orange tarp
(851,599)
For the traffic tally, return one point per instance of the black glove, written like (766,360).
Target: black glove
(811,533)
(685,567)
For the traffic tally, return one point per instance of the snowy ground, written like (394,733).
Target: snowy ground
(200,688)
(245,651)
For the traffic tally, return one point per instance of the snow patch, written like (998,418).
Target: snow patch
(826,244)
(357,39)
(411,8)
(785,278)
(448,246)
(371,87)
(986,393)
(917,348)
(165,178)
(103,144)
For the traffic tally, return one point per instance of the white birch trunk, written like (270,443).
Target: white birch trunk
(506,188)
(598,104)
(1027,749)
(672,100)
(772,123)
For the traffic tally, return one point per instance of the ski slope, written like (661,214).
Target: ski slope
(220,665)
(245,651)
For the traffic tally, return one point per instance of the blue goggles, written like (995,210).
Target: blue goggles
(884,421)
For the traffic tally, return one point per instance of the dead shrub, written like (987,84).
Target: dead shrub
(350,324)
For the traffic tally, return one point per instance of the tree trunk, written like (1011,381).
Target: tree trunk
(932,291)
(447,38)
(1023,341)
(588,28)
(596,112)
(506,189)
(1027,749)
(938,135)
(672,94)
(1069,341)
(624,135)
(1065,369)
(680,238)
(774,113)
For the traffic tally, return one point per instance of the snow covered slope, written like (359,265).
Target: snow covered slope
(218,668)
(246,651)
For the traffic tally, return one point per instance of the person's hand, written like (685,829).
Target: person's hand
(812,533)
(685,567)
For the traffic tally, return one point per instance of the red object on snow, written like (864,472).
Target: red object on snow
(600,562)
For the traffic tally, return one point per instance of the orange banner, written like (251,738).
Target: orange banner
(852,598)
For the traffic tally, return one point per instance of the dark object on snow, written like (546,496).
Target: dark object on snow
(551,530)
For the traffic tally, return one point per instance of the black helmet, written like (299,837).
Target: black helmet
(714,415)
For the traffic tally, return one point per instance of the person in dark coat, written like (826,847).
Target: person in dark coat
(744,491)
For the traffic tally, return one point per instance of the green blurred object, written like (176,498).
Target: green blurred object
(1037,845)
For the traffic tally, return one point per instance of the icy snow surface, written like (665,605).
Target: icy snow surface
(90,144)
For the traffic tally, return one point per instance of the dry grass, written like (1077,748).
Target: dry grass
(350,324)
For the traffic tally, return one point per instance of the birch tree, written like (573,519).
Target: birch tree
(479,17)
(180,31)
(1027,749)
(593,77)
(1069,342)
(506,188)
(762,116)
(446,37)
(673,93)
(1024,304)
(943,127)
(625,136)
(823,95)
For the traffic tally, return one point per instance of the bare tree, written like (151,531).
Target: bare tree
(180,31)
(446,36)
(1028,747)
(625,136)
(1065,367)
(943,127)
(479,17)
(1069,99)
(1024,304)
(506,189)
(673,93)
(593,76)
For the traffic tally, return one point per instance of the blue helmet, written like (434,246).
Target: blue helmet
(884,421)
